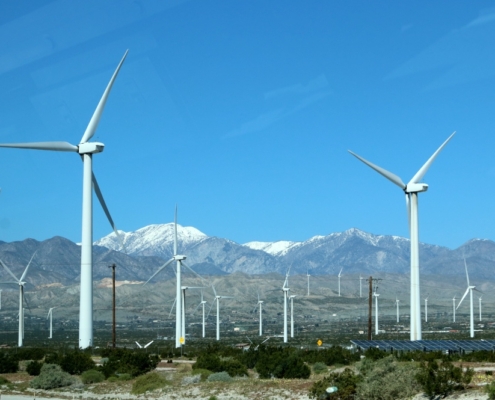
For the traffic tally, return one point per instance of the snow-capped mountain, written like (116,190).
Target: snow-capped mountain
(279,248)
(153,240)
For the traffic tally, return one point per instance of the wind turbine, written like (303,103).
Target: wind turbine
(145,346)
(202,303)
(360,286)
(179,259)
(86,150)
(285,290)
(469,290)
(426,308)
(339,275)
(397,304)
(375,295)
(217,299)
(453,314)
(411,190)
(291,298)
(307,275)
(260,304)
(50,315)
(479,298)
(21,284)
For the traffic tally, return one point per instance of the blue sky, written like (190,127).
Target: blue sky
(242,112)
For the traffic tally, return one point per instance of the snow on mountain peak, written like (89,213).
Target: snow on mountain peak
(279,248)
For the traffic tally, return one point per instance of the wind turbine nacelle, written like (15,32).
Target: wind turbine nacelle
(416,187)
(179,258)
(90,148)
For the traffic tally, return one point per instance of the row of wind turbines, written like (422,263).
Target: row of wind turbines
(87,149)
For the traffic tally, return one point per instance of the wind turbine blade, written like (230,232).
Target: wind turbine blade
(214,291)
(465,266)
(139,345)
(175,231)
(10,272)
(146,345)
(341,271)
(54,146)
(159,269)
(465,294)
(389,175)
(173,305)
(98,193)
(26,270)
(95,119)
(422,171)
(211,306)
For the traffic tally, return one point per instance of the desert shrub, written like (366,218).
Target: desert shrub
(8,364)
(374,353)
(490,390)
(330,356)
(187,380)
(234,368)
(112,378)
(125,377)
(92,376)
(346,382)
(292,367)
(213,363)
(204,373)
(444,378)
(148,382)
(34,368)
(30,353)
(387,379)
(319,367)
(50,377)
(124,361)
(76,362)
(3,380)
(220,377)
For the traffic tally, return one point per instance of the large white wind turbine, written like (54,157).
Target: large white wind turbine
(453,313)
(469,290)
(21,284)
(179,259)
(411,190)
(217,299)
(479,298)
(50,315)
(285,291)
(291,298)
(85,149)
(426,308)
(338,276)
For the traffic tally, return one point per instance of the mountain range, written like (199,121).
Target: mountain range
(357,252)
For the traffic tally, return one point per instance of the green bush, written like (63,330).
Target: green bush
(30,353)
(387,379)
(319,367)
(213,363)
(203,372)
(8,364)
(490,390)
(3,381)
(292,367)
(346,382)
(51,377)
(76,362)
(124,361)
(442,379)
(92,376)
(220,377)
(148,382)
(125,377)
(375,353)
(34,368)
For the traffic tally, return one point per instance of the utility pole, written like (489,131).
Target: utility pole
(114,334)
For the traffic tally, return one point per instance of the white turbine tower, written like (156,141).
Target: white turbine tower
(426,308)
(338,276)
(285,291)
(21,284)
(307,275)
(202,304)
(360,286)
(260,305)
(50,315)
(397,305)
(217,299)
(479,298)
(291,298)
(453,314)
(183,319)
(469,290)
(0,299)
(86,150)
(411,190)
(375,295)
(179,259)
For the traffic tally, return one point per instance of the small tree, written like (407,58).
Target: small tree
(8,364)
(51,377)
(34,368)
(345,382)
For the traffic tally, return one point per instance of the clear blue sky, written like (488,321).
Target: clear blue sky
(242,112)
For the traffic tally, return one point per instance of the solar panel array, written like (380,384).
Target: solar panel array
(426,345)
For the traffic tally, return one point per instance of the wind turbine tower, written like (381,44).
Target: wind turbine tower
(307,275)
(285,291)
(397,305)
(469,290)
(360,286)
(411,191)
(217,299)
(260,304)
(375,295)
(50,315)
(453,313)
(426,309)
(340,274)
(291,297)
(479,298)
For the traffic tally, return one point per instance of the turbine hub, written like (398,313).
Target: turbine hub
(179,258)
(416,187)
(90,148)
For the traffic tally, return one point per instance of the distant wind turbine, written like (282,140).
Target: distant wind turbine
(217,299)
(260,304)
(307,275)
(291,298)
(469,290)
(145,346)
(453,313)
(375,295)
(183,319)
(50,315)
(21,284)
(86,150)
(397,304)
(285,291)
(426,309)
(411,190)
(339,275)
(479,298)
(360,286)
